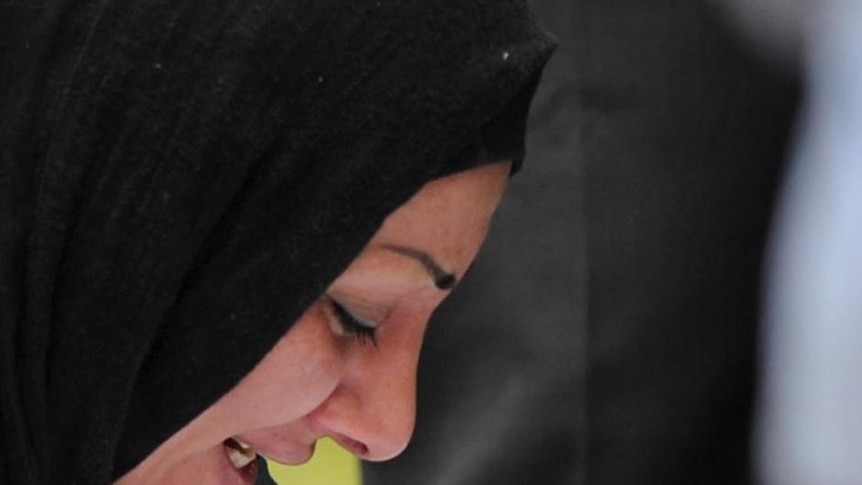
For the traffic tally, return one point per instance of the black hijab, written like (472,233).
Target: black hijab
(179,180)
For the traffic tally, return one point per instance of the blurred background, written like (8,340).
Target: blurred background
(331,465)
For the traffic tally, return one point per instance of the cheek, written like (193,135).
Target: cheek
(298,374)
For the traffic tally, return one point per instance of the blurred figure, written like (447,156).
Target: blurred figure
(810,425)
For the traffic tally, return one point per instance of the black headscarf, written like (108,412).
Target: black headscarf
(179,180)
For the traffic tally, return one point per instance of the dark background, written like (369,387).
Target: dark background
(607,332)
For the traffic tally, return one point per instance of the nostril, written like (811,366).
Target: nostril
(358,448)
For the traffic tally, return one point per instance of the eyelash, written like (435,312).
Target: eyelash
(352,326)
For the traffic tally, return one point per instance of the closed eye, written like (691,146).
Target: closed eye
(352,325)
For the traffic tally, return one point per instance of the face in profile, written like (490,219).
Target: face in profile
(347,368)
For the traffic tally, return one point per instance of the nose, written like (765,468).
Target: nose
(372,411)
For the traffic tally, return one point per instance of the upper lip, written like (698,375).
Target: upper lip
(300,447)
(291,453)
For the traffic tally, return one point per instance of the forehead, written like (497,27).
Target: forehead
(449,217)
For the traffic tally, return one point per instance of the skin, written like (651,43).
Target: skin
(319,379)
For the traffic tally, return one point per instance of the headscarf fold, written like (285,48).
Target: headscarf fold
(179,180)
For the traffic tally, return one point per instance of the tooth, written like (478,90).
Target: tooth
(241,454)
(243,446)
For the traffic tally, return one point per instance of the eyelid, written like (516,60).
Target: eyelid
(371,308)
(345,323)
(358,318)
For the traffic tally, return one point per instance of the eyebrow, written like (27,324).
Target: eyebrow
(443,279)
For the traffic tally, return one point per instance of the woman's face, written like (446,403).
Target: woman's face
(347,367)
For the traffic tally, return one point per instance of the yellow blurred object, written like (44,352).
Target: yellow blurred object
(331,465)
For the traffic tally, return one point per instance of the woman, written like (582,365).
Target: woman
(182,186)
(346,369)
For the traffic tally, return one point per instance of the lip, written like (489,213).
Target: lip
(292,459)
(282,453)
(228,475)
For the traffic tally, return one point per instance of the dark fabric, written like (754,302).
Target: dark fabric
(179,180)
(263,477)
(611,339)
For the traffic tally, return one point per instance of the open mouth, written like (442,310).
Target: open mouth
(243,457)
